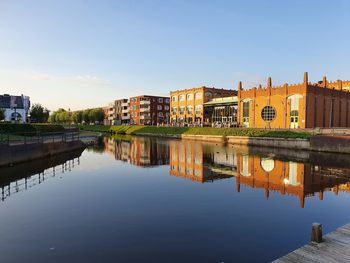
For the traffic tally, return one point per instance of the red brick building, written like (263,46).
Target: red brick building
(149,110)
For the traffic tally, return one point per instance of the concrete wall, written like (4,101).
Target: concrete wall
(289,143)
(23,153)
(338,144)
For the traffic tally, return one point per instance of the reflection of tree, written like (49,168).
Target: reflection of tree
(99,147)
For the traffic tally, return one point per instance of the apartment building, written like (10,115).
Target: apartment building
(117,112)
(149,110)
(187,105)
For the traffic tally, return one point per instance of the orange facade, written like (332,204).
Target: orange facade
(304,105)
(187,106)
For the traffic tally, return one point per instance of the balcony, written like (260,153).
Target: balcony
(125,104)
(147,109)
(145,102)
(126,111)
(127,117)
(145,117)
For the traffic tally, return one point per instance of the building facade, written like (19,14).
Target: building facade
(303,105)
(222,111)
(149,110)
(16,108)
(187,106)
(118,113)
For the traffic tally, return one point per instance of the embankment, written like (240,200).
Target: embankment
(297,140)
(28,152)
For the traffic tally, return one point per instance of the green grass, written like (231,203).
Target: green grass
(135,130)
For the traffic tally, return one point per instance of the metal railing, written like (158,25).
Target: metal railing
(18,138)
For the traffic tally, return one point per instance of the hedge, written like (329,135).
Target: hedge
(197,131)
(29,129)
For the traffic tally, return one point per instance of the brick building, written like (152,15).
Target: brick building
(187,105)
(303,105)
(149,110)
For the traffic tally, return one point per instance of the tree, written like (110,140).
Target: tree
(2,114)
(77,116)
(38,113)
(86,114)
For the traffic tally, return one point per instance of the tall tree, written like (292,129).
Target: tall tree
(2,114)
(38,113)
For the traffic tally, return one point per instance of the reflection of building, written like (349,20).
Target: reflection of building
(149,110)
(187,106)
(191,160)
(139,151)
(298,179)
(16,107)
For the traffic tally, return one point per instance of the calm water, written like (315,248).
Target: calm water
(136,199)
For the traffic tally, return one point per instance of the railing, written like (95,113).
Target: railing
(19,138)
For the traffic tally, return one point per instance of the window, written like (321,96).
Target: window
(182,110)
(160,100)
(174,110)
(267,164)
(189,97)
(159,107)
(198,95)
(173,98)
(167,100)
(160,114)
(182,98)
(166,107)
(189,109)
(198,109)
(268,113)
(208,94)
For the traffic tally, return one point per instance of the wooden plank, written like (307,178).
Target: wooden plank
(334,249)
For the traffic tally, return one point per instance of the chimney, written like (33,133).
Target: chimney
(306,77)
(269,82)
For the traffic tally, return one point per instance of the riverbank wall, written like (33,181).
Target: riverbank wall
(13,154)
(321,143)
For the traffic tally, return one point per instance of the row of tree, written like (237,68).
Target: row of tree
(82,116)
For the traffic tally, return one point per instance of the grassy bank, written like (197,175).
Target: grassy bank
(135,130)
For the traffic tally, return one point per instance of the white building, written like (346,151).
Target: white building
(16,107)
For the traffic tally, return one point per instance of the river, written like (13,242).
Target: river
(141,199)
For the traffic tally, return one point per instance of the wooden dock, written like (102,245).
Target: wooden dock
(334,248)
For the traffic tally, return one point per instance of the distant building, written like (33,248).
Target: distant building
(118,112)
(16,107)
(187,106)
(149,110)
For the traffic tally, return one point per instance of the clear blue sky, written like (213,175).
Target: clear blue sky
(78,54)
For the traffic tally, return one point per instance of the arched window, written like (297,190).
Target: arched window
(189,109)
(208,94)
(268,113)
(15,116)
(189,96)
(198,95)
(182,98)
(267,164)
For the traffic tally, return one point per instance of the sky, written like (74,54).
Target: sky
(79,54)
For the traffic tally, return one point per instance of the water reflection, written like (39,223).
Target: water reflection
(302,175)
(24,176)
(139,151)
